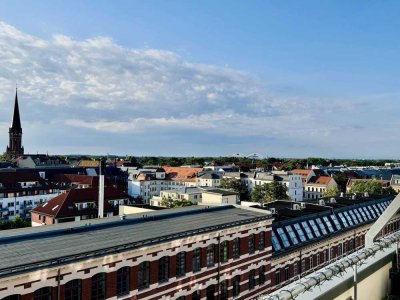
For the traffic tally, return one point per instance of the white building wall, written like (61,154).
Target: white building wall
(21,205)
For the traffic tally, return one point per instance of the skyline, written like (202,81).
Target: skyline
(209,79)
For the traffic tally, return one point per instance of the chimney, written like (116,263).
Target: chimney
(101,189)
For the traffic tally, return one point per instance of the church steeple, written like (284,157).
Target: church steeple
(16,121)
(15,148)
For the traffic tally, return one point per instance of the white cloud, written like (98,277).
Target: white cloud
(100,86)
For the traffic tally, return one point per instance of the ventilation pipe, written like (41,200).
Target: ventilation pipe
(101,189)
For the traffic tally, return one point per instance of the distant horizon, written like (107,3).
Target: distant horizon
(208,156)
(172,78)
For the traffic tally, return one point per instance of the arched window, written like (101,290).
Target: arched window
(144,275)
(224,290)
(181,264)
(196,296)
(73,290)
(210,292)
(236,286)
(43,294)
(224,252)
(123,281)
(236,248)
(163,269)
(252,279)
(251,243)
(12,297)
(210,255)
(99,286)
(196,262)
(261,275)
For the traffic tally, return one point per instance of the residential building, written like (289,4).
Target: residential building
(150,182)
(219,197)
(192,194)
(78,204)
(22,191)
(208,179)
(317,185)
(395,182)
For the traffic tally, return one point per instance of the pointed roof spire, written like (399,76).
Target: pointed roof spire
(16,121)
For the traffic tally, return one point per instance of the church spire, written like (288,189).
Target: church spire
(16,120)
(15,148)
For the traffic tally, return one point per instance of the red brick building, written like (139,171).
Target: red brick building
(188,253)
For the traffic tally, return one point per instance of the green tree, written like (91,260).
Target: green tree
(171,203)
(235,185)
(372,187)
(269,192)
(331,192)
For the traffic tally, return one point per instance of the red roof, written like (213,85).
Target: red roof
(64,205)
(179,173)
(323,180)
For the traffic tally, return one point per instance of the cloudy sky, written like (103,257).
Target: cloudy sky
(279,78)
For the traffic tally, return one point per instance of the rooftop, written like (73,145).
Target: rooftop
(69,242)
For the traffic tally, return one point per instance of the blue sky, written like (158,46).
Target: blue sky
(280,78)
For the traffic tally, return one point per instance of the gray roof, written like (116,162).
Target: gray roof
(27,249)
(222,192)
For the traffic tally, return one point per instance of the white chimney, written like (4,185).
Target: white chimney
(101,191)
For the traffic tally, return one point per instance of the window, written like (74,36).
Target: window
(321,226)
(335,220)
(300,232)
(328,224)
(287,275)
(99,286)
(223,291)
(261,275)
(224,251)
(277,277)
(308,230)
(236,286)
(163,269)
(73,290)
(261,241)
(275,242)
(295,268)
(196,262)
(12,297)
(42,294)
(318,259)
(195,296)
(181,264)
(236,248)
(144,275)
(252,279)
(210,255)
(340,250)
(292,235)
(283,237)
(210,292)
(311,261)
(251,243)
(123,282)
(315,228)
(303,265)
(332,253)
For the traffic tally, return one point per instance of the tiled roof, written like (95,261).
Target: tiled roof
(64,205)
(12,177)
(74,178)
(323,180)
(174,173)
